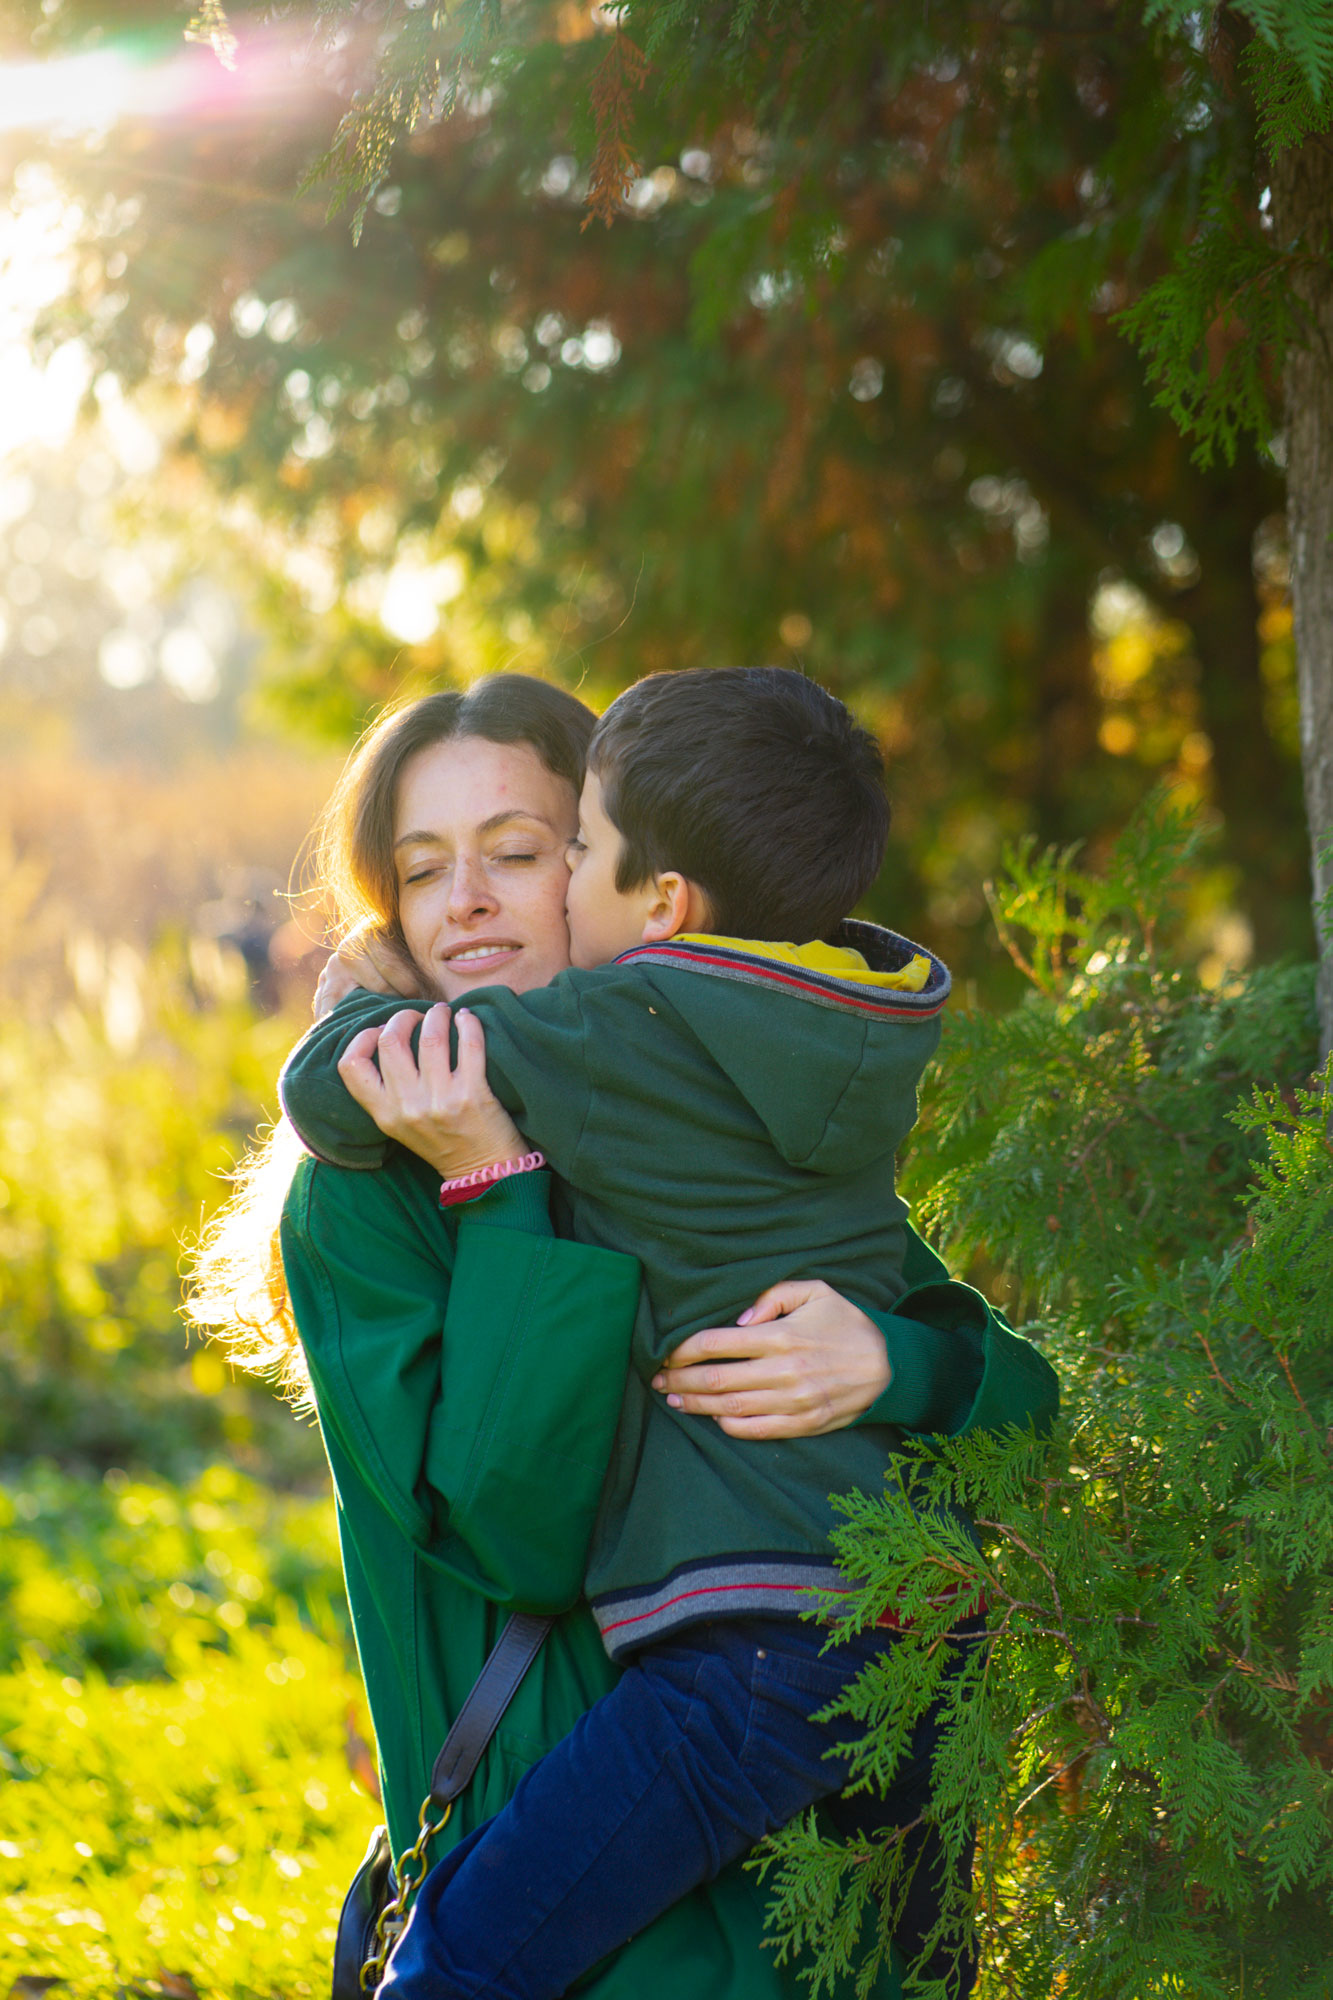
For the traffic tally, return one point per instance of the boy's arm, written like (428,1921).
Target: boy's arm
(487,1456)
(535,1064)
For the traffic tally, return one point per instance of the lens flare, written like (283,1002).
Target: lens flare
(93,90)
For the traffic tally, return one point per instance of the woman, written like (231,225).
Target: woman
(467,1369)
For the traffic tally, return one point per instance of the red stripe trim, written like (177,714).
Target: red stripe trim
(889,1619)
(712,1590)
(779,976)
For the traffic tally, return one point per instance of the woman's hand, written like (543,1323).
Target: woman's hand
(448,1116)
(802,1361)
(366,961)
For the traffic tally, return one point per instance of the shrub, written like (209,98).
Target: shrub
(1145,1739)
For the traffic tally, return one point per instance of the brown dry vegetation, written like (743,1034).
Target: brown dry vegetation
(102,855)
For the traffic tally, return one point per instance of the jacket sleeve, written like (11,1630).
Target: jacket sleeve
(532,1378)
(958,1366)
(487,1446)
(535,1064)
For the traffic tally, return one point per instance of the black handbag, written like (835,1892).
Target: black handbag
(374,1910)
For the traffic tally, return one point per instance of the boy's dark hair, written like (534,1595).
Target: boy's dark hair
(756,784)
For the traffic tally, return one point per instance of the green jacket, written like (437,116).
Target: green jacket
(729,1113)
(466,1370)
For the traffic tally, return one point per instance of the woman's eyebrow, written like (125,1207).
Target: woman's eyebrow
(500,819)
(427,839)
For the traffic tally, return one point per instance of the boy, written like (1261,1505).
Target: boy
(722,1092)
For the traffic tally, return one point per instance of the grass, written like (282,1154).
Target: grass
(180,1738)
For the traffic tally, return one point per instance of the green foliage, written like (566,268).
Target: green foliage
(775,57)
(1145,1736)
(418,77)
(1089,1131)
(122,1112)
(1290,105)
(175,1682)
(1215,329)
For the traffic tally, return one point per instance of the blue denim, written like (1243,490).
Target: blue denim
(704,1746)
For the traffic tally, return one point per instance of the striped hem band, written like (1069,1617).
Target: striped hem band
(716,1590)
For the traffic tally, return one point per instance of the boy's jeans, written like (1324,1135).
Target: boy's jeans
(703,1747)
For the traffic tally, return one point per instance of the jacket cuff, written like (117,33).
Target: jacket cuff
(937,1362)
(519,1201)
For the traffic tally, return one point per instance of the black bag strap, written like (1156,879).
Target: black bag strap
(479,1717)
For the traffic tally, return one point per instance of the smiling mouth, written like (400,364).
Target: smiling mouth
(479,954)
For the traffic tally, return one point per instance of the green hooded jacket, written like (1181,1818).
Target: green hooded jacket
(467,1372)
(729,1112)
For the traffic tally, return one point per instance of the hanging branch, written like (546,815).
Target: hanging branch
(620,75)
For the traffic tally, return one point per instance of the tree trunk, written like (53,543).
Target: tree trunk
(1303,218)
(1256,789)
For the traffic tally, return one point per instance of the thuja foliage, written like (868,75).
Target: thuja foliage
(1171,216)
(1144,1736)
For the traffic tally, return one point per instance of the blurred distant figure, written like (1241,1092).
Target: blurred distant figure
(282,961)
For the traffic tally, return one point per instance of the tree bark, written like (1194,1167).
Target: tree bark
(1256,789)
(1303,221)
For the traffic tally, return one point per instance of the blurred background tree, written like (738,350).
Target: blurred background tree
(843,386)
(864,377)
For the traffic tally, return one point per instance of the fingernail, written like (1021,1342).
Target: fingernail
(463,1014)
(674,1402)
(746,1316)
(659,1381)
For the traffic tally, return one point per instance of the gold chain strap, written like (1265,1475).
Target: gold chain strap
(411,1870)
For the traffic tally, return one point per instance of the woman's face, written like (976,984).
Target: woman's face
(480,834)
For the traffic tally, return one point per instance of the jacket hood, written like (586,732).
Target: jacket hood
(825,1041)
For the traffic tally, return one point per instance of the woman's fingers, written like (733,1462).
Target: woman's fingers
(716,1343)
(398,1065)
(788,1297)
(808,1361)
(357,1069)
(736,1394)
(439,1108)
(705,1387)
(433,1064)
(470,1068)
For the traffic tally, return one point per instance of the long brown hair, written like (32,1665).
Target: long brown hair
(237,1287)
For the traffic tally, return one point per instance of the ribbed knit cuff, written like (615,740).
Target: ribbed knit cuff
(519,1201)
(935,1368)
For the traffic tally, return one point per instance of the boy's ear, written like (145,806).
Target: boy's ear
(678,905)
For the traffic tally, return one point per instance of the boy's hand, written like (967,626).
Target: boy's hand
(446,1115)
(802,1361)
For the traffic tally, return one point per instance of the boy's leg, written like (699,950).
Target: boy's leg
(931,1872)
(702,1748)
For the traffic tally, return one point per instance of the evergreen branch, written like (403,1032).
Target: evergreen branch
(619,78)
(1216,1372)
(1215,329)
(209,25)
(1053,1778)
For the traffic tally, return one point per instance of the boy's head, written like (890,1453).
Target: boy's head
(744,801)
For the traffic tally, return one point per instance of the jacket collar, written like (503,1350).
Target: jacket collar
(867,970)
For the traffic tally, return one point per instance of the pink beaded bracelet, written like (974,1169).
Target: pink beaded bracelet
(466,1186)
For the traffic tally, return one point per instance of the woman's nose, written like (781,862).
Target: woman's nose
(470,893)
